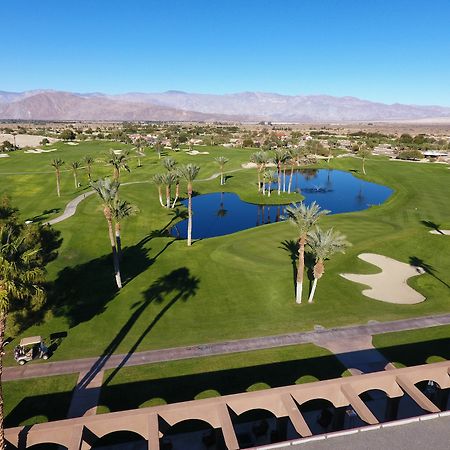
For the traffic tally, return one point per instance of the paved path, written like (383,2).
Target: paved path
(85,398)
(219,348)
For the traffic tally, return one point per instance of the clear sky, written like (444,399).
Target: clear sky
(382,50)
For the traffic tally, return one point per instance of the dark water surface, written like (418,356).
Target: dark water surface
(222,213)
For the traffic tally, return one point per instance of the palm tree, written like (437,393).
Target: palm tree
(176,178)
(158,181)
(221,160)
(364,152)
(118,161)
(279,159)
(304,218)
(21,279)
(272,177)
(57,164)
(189,172)
(257,159)
(75,166)
(168,180)
(121,209)
(169,163)
(89,161)
(159,148)
(324,244)
(140,144)
(108,191)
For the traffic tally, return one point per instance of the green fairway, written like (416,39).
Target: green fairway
(228,287)
(411,348)
(38,399)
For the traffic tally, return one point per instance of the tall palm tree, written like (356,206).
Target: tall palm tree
(304,218)
(57,164)
(140,145)
(89,161)
(118,161)
(221,161)
(279,159)
(158,181)
(324,244)
(75,166)
(176,178)
(108,192)
(272,177)
(189,172)
(364,152)
(168,179)
(21,280)
(159,148)
(257,159)
(121,209)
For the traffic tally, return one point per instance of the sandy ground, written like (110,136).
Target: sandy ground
(446,232)
(25,140)
(196,152)
(251,165)
(390,284)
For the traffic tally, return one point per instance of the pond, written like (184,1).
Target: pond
(223,213)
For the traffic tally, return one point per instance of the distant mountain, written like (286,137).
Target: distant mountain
(183,106)
(69,106)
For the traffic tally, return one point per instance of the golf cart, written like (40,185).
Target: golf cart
(31,348)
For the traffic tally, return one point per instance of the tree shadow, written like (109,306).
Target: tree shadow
(418,262)
(44,215)
(179,285)
(432,225)
(291,247)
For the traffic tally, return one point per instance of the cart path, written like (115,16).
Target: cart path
(71,207)
(92,366)
(85,398)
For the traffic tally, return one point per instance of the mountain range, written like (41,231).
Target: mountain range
(183,106)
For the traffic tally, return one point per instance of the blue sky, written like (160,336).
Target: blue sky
(383,50)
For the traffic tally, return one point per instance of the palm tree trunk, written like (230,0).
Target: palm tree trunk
(116,173)
(167,196)
(301,269)
(284,179)
(264,184)
(290,180)
(177,193)
(75,179)
(58,184)
(118,241)
(364,169)
(279,180)
(139,162)
(259,181)
(189,242)
(160,197)
(313,291)
(2,342)
(89,173)
(107,214)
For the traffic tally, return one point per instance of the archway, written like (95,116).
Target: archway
(322,416)
(261,427)
(381,406)
(44,446)
(121,437)
(193,434)
(432,390)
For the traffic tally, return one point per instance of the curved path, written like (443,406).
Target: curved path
(71,207)
(95,365)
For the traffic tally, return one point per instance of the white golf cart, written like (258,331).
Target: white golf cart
(31,348)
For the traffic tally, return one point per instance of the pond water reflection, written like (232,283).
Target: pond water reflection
(223,213)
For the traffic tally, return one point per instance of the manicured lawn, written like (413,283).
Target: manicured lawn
(38,399)
(154,384)
(411,348)
(228,287)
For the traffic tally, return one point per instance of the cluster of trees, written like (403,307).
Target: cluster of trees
(172,177)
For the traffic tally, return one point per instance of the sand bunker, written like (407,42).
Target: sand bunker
(443,232)
(72,143)
(4,155)
(251,165)
(390,285)
(196,152)
(37,151)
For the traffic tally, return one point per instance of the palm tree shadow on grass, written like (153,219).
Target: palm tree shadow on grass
(178,283)
(418,262)
(432,225)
